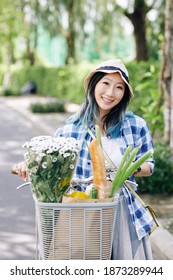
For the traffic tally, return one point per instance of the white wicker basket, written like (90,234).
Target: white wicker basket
(69,231)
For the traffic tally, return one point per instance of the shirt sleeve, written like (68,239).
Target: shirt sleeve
(144,142)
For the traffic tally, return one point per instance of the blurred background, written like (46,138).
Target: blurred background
(49,46)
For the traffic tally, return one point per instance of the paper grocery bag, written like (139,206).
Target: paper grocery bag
(82,230)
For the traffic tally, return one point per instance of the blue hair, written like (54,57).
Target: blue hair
(89,111)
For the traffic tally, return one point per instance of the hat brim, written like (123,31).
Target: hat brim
(89,76)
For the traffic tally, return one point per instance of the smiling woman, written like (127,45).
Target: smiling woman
(107,95)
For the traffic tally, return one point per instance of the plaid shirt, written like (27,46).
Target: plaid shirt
(135,132)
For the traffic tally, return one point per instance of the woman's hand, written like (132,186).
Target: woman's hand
(145,170)
(21,170)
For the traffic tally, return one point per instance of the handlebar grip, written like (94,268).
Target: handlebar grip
(14,172)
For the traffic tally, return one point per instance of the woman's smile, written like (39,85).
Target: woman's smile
(106,100)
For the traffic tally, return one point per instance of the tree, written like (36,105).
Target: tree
(155,29)
(10,23)
(138,19)
(137,12)
(166,77)
(65,17)
(30,11)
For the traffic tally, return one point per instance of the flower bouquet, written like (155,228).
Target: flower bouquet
(51,162)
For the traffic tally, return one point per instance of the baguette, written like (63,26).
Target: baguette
(99,169)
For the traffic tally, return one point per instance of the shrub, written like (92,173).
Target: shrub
(8,92)
(49,107)
(161,180)
(62,82)
(144,78)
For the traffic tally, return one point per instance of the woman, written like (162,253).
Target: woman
(108,94)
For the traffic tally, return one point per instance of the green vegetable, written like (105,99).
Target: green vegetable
(128,162)
(93,193)
(127,168)
(118,174)
(134,166)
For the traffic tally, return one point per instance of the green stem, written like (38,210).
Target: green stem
(128,162)
(133,167)
(117,176)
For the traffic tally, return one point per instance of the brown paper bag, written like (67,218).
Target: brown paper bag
(83,232)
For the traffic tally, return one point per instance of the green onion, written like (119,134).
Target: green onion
(117,176)
(123,173)
(129,161)
(134,166)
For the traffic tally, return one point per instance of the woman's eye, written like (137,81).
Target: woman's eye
(105,83)
(120,87)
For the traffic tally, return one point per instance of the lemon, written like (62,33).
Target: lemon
(78,194)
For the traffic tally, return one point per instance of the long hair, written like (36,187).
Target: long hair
(89,112)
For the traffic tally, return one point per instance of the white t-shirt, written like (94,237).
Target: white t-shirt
(112,149)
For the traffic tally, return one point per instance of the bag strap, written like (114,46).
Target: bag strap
(135,194)
(149,208)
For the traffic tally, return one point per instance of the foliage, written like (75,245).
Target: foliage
(144,80)
(10,28)
(49,107)
(161,180)
(155,31)
(62,82)
(9,92)
(1,75)
(78,23)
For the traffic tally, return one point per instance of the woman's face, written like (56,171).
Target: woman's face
(108,92)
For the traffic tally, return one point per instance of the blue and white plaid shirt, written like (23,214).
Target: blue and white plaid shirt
(134,132)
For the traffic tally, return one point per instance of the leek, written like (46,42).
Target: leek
(134,167)
(118,174)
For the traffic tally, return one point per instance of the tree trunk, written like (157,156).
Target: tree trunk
(70,37)
(6,79)
(138,19)
(140,39)
(70,47)
(30,53)
(167,74)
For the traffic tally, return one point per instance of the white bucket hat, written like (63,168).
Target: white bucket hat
(111,66)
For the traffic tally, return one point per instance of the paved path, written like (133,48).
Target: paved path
(17,213)
(17,236)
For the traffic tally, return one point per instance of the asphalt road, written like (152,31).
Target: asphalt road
(17,213)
